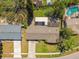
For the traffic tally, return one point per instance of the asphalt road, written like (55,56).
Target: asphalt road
(71,56)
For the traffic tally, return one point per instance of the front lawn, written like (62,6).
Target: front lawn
(7,55)
(42,47)
(24,55)
(7,46)
(58,55)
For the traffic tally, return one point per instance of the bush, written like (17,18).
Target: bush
(24,24)
(65,33)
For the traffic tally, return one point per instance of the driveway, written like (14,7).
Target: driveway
(31,49)
(17,49)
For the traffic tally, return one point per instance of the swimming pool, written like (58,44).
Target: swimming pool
(72,10)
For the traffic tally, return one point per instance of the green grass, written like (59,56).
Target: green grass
(73,41)
(42,47)
(24,43)
(58,55)
(7,47)
(44,2)
(39,13)
(42,12)
(7,55)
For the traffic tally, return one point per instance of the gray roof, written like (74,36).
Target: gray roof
(42,29)
(49,34)
(10,32)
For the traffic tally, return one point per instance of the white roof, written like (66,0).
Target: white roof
(41,18)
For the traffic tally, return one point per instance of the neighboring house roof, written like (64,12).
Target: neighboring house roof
(10,32)
(49,34)
(73,23)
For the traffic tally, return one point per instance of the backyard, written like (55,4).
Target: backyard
(42,12)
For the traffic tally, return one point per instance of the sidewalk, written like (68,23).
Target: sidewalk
(47,53)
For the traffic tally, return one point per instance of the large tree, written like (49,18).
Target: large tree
(30,11)
(14,10)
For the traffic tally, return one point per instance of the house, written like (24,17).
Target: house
(10,32)
(73,24)
(41,30)
(71,18)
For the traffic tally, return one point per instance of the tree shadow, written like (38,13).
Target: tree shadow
(1,48)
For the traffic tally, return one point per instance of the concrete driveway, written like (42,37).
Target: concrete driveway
(31,49)
(17,49)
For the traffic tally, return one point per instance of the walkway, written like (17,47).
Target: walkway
(17,49)
(31,49)
(47,53)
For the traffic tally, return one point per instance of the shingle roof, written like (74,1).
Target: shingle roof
(10,28)
(49,34)
(42,29)
(12,32)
